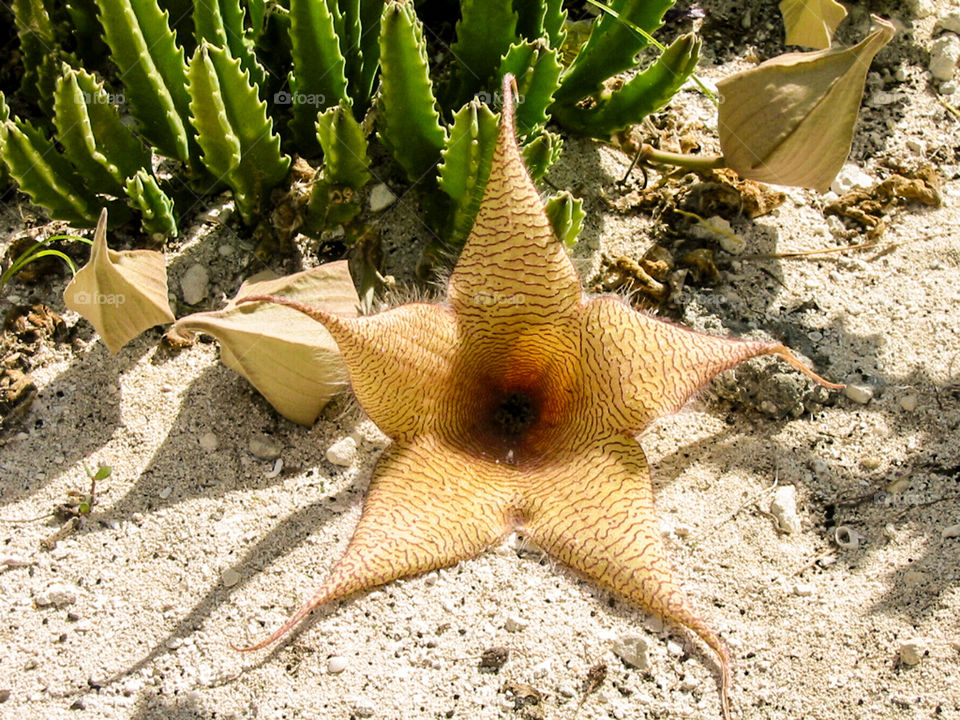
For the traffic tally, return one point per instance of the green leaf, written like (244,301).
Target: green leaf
(94,139)
(344,147)
(45,175)
(566,215)
(467,156)
(155,207)
(38,47)
(611,48)
(103,472)
(643,94)
(233,130)
(541,153)
(152,70)
(361,84)
(411,127)
(484,35)
(536,68)
(318,79)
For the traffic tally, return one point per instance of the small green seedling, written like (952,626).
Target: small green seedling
(39,250)
(73,513)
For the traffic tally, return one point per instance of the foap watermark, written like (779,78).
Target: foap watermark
(495,99)
(85,298)
(103,98)
(495,298)
(285,97)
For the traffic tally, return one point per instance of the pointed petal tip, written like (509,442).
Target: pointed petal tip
(784,352)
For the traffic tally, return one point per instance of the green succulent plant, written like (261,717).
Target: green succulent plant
(229,90)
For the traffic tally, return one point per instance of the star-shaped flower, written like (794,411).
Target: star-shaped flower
(513,406)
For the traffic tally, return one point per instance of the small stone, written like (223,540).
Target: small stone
(689,683)
(567,691)
(58,594)
(174,643)
(166,492)
(948,87)
(514,624)
(381,197)
(674,648)
(851,177)
(208,442)
(784,508)
(859,393)
(917,146)
(230,577)
(336,664)
(944,54)
(5,695)
(195,284)
(950,532)
(343,452)
(681,530)
(803,589)
(264,447)
(912,651)
(912,578)
(950,21)
(871,462)
(132,686)
(363,709)
(632,649)
(909,402)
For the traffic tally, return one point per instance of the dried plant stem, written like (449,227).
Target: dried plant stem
(697,163)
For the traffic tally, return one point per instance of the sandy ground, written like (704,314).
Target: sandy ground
(197,542)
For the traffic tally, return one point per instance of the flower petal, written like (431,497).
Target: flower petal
(595,513)
(513,272)
(120,293)
(428,506)
(637,368)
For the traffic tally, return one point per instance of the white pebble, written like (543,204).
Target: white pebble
(209,442)
(264,447)
(912,651)
(674,648)
(195,284)
(803,589)
(851,177)
(944,54)
(174,643)
(689,683)
(275,470)
(166,492)
(846,537)
(859,393)
(950,21)
(632,649)
(58,594)
(343,452)
(381,197)
(909,402)
(950,532)
(514,624)
(132,686)
(230,577)
(336,664)
(784,508)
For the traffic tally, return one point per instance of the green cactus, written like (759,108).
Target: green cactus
(467,156)
(221,23)
(411,127)
(233,130)
(153,72)
(155,207)
(94,139)
(334,198)
(485,33)
(44,174)
(566,215)
(38,41)
(643,94)
(536,67)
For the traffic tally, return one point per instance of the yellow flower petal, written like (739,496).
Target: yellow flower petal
(120,293)
(291,360)
(790,120)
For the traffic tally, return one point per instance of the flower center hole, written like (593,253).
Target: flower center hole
(514,414)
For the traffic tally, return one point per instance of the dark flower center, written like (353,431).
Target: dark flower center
(513,415)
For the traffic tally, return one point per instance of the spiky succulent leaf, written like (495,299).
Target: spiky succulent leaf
(537,70)
(611,48)
(38,46)
(541,19)
(155,207)
(233,129)
(466,165)
(566,215)
(221,23)
(345,160)
(85,28)
(45,175)
(361,83)
(94,139)
(541,152)
(643,94)
(152,70)
(485,32)
(318,79)
(411,127)
(258,15)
